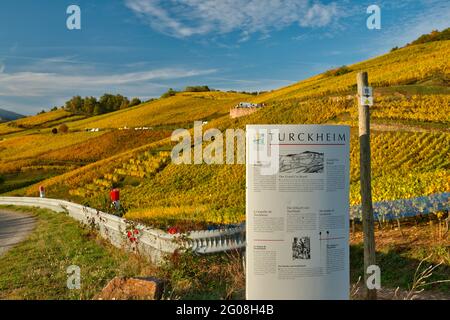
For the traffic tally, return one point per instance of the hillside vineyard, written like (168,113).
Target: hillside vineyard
(410,142)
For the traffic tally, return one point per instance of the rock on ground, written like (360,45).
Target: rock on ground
(132,289)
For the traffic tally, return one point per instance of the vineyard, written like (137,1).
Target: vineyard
(411,86)
(47,118)
(31,146)
(183,108)
(410,65)
(41,121)
(405,165)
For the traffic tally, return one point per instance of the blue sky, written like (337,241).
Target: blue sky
(142,47)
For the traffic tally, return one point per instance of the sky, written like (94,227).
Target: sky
(140,48)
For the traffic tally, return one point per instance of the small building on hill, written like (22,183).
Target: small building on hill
(245,108)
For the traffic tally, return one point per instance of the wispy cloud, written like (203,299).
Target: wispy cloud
(186,18)
(32,89)
(44,84)
(410,25)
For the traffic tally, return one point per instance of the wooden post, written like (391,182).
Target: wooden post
(366,190)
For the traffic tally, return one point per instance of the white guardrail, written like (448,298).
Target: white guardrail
(152,243)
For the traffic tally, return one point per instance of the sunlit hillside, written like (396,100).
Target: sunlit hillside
(410,141)
(40,121)
(424,63)
(180,109)
(29,149)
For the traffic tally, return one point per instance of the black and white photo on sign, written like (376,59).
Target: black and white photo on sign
(301,248)
(304,162)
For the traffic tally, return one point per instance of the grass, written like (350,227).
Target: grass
(399,253)
(19,180)
(36,268)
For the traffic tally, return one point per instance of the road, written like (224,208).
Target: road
(14,228)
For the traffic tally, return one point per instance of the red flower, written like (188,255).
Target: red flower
(136,231)
(172,230)
(129,234)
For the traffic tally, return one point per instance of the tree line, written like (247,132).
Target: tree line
(106,103)
(434,35)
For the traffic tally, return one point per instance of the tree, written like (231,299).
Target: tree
(125,103)
(75,104)
(97,109)
(63,128)
(169,93)
(135,102)
(338,72)
(197,89)
(89,105)
(434,35)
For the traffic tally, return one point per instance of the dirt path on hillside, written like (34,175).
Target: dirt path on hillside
(405,127)
(14,228)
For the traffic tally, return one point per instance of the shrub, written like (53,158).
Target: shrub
(2,179)
(434,35)
(63,128)
(169,93)
(197,89)
(135,102)
(338,72)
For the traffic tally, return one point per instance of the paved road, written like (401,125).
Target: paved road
(14,228)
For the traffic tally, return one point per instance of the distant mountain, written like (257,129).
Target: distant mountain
(6,115)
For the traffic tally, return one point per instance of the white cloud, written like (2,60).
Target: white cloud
(185,18)
(45,84)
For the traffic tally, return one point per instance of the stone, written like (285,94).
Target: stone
(132,289)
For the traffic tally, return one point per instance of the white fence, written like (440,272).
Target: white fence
(152,243)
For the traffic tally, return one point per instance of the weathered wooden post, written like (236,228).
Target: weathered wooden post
(364,100)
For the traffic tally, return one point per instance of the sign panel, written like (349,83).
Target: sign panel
(366,101)
(367,91)
(297,210)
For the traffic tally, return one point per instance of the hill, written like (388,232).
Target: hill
(6,115)
(412,98)
(434,35)
(181,109)
(29,150)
